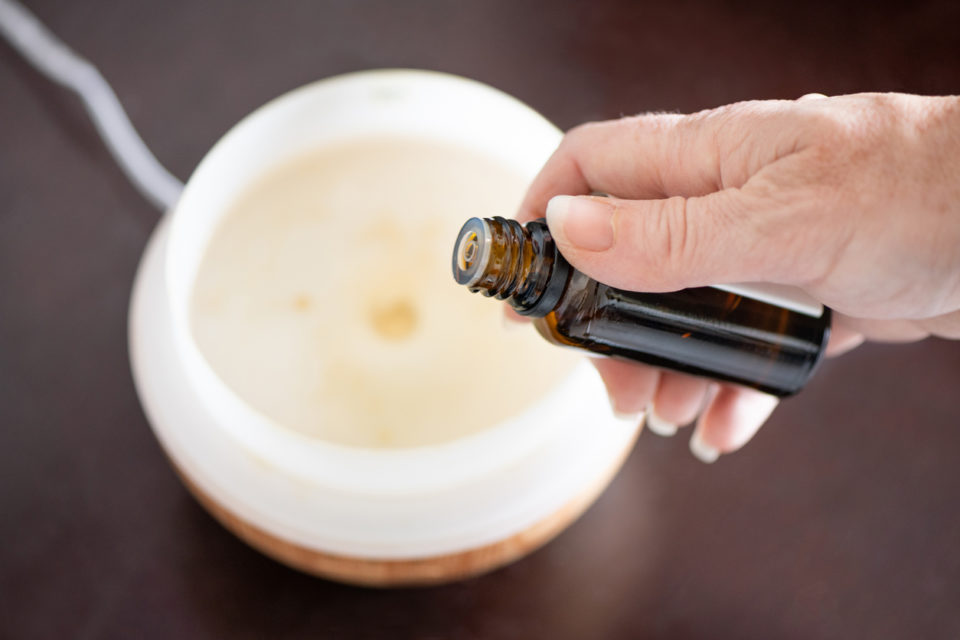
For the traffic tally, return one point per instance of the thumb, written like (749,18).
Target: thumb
(660,245)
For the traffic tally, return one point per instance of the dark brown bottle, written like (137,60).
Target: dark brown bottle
(702,331)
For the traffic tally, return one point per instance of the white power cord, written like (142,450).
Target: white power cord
(54,59)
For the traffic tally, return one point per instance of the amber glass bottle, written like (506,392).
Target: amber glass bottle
(702,331)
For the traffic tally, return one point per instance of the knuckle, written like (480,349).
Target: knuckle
(588,133)
(852,122)
(579,132)
(578,141)
(678,229)
(649,128)
(673,251)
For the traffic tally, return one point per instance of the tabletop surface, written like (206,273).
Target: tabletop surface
(841,519)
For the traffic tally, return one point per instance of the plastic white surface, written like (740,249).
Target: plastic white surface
(374,503)
(413,103)
(454,514)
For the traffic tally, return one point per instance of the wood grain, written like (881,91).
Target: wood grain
(415,572)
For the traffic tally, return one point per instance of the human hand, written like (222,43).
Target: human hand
(855,199)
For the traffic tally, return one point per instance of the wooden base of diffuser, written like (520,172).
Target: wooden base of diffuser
(420,571)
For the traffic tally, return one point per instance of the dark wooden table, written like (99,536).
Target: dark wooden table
(841,520)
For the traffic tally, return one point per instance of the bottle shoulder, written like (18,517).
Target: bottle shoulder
(568,323)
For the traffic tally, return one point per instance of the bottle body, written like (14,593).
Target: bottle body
(701,331)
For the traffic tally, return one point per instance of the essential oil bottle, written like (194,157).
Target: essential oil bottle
(701,331)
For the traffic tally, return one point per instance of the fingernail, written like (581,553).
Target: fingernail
(701,450)
(660,426)
(584,223)
(626,415)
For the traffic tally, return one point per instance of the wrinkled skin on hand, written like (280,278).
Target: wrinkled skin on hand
(855,199)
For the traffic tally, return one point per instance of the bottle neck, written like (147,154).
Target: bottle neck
(518,263)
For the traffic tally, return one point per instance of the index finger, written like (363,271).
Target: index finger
(658,156)
(623,157)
